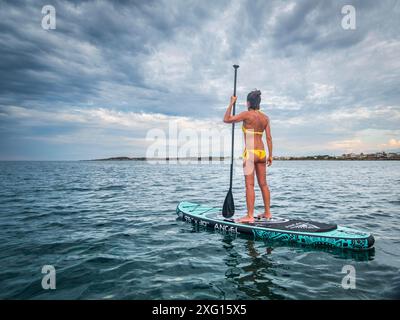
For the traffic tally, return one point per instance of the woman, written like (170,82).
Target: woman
(254,156)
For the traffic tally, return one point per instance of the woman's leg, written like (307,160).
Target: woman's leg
(248,169)
(250,195)
(262,182)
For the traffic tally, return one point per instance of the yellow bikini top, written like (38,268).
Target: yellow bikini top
(251,130)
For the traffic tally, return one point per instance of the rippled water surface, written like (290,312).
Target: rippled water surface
(111,232)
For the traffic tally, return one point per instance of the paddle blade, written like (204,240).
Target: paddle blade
(228,208)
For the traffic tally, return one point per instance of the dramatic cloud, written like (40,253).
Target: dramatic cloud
(112,70)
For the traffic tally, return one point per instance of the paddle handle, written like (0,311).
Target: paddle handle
(235,66)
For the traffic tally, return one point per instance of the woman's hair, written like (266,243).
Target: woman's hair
(254,98)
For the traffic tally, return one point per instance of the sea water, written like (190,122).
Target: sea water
(110,231)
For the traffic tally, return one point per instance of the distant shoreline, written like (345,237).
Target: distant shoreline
(312,158)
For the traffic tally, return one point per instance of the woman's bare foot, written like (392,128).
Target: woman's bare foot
(267,216)
(245,219)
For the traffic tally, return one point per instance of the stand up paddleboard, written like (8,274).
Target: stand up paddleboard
(299,231)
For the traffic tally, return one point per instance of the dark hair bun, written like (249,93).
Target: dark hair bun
(254,98)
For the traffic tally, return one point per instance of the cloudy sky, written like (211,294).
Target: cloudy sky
(112,71)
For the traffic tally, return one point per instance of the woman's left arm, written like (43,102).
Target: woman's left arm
(228,118)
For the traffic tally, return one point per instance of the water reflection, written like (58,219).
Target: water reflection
(253,269)
(253,273)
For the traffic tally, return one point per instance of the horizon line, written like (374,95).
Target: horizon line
(280,157)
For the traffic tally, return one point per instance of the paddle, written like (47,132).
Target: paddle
(228,209)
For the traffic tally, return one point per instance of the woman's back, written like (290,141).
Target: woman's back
(254,127)
(257,121)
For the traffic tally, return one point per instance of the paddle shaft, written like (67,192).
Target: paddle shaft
(233,127)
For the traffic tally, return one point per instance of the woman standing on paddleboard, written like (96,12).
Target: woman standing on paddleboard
(254,156)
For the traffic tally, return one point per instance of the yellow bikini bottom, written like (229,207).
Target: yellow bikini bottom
(261,154)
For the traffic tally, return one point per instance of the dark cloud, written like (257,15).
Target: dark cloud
(119,34)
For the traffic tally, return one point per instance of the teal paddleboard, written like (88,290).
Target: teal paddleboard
(287,230)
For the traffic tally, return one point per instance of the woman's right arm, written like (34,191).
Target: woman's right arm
(228,118)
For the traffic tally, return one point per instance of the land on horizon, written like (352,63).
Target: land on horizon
(349,156)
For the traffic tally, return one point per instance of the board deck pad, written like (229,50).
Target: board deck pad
(282,229)
(290,225)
